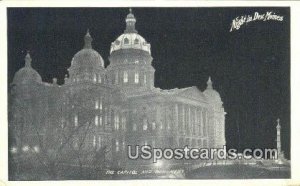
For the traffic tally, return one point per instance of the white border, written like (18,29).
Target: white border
(295,87)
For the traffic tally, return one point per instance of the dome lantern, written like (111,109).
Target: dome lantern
(28,60)
(88,40)
(211,93)
(209,83)
(130,39)
(130,23)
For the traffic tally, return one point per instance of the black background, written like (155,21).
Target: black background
(250,67)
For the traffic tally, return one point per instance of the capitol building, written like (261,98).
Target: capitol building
(98,111)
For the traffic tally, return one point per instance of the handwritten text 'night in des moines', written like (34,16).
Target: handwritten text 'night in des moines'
(240,20)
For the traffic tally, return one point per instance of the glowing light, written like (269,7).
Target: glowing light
(159,164)
(36,149)
(25,148)
(14,150)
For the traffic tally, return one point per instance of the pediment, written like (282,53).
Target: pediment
(192,93)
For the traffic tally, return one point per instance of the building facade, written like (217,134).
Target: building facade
(98,111)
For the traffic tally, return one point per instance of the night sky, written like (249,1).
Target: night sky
(250,67)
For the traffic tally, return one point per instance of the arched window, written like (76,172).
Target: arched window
(94,141)
(99,78)
(76,120)
(117,145)
(116,78)
(123,144)
(134,127)
(97,104)
(126,41)
(145,79)
(100,120)
(95,78)
(145,126)
(117,122)
(125,79)
(136,77)
(96,120)
(105,117)
(100,105)
(136,41)
(153,126)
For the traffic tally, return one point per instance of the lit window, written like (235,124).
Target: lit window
(100,106)
(100,120)
(125,77)
(134,127)
(145,79)
(99,78)
(117,78)
(126,41)
(136,77)
(36,149)
(136,41)
(116,122)
(123,144)
(153,126)
(96,120)
(95,78)
(14,150)
(76,120)
(117,145)
(94,141)
(105,118)
(97,104)
(145,124)
(25,148)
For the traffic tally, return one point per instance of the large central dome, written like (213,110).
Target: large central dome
(130,39)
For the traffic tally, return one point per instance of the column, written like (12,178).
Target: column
(176,118)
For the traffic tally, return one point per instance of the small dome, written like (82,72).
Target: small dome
(27,74)
(130,41)
(87,57)
(211,94)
